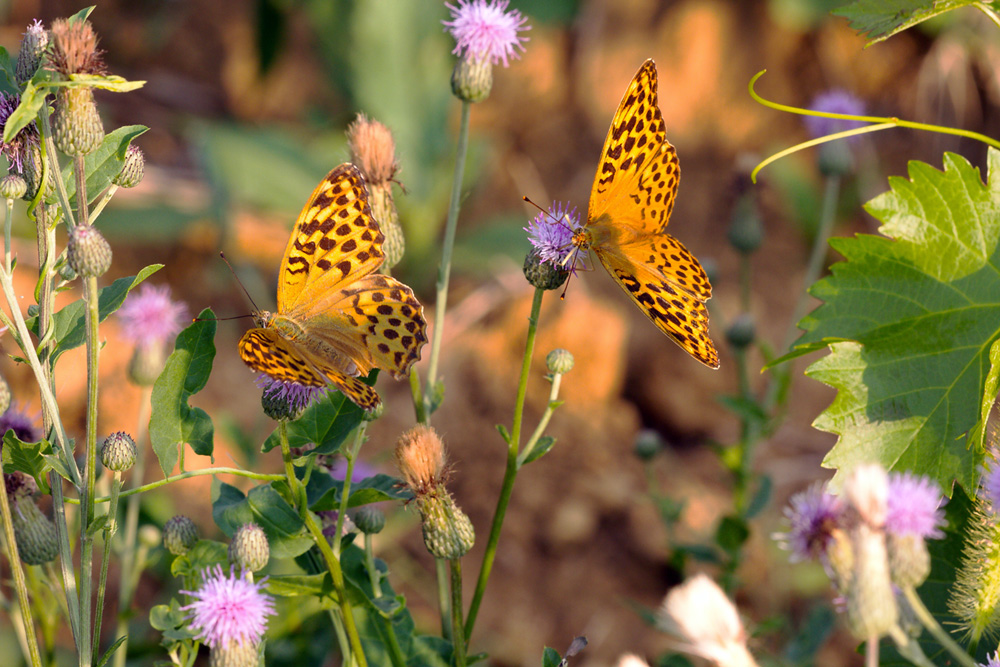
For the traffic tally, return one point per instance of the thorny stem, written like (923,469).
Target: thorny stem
(444,271)
(16,567)
(510,473)
(332,564)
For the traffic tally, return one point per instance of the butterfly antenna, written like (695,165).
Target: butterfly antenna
(240,283)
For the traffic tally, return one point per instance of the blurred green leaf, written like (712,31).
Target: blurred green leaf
(732,534)
(812,634)
(881,19)
(111,651)
(101,165)
(205,554)
(323,491)
(299,585)
(173,420)
(761,497)
(541,448)
(550,657)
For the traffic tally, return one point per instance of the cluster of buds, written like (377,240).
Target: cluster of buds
(34,532)
(448,532)
(871,539)
(373,150)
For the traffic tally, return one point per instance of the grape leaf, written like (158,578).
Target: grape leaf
(882,19)
(909,321)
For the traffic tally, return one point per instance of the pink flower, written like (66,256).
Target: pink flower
(485,29)
(551,234)
(229,609)
(149,316)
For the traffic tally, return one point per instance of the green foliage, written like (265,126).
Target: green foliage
(103,164)
(326,423)
(31,458)
(324,492)
(268,509)
(550,657)
(882,19)
(910,320)
(173,421)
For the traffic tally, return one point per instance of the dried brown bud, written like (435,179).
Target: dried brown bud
(420,458)
(372,149)
(74,48)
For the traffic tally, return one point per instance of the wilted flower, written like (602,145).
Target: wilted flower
(834,101)
(229,609)
(705,623)
(74,48)
(485,30)
(813,514)
(372,149)
(149,316)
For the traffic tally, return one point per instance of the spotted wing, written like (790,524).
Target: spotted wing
(336,240)
(669,285)
(638,173)
(265,351)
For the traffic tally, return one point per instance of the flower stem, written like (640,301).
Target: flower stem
(543,423)
(350,455)
(928,621)
(332,564)
(510,473)
(17,569)
(261,477)
(458,636)
(109,533)
(92,318)
(444,271)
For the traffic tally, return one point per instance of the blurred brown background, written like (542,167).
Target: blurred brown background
(246,104)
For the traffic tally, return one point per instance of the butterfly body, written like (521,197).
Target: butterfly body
(630,205)
(336,319)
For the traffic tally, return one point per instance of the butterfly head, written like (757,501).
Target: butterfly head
(263,318)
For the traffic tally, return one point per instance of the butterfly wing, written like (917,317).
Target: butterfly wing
(638,173)
(265,351)
(336,240)
(668,284)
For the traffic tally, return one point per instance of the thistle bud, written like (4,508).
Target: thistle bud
(133,169)
(374,414)
(249,548)
(76,125)
(33,45)
(33,172)
(235,654)
(448,532)
(746,232)
(871,604)
(150,536)
(87,251)
(34,533)
(369,519)
(278,407)
(118,452)
(741,332)
(146,364)
(909,560)
(373,150)
(13,187)
(472,78)
(179,535)
(559,361)
(542,274)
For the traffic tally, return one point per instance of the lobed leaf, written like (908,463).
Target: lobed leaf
(910,322)
(882,19)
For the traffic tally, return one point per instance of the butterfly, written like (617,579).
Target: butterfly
(337,318)
(630,204)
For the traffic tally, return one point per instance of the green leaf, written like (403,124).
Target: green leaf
(69,326)
(9,85)
(81,15)
(97,525)
(173,421)
(269,510)
(167,616)
(760,499)
(882,19)
(27,457)
(986,407)
(300,585)
(112,82)
(917,315)
(26,112)
(541,448)
(323,491)
(111,651)
(102,164)
(326,423)
(732,534)
(203,555)
(550,657)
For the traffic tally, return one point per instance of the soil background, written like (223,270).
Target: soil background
(583,541)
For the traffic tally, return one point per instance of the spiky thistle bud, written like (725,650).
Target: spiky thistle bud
(34,532)
(975,597)
(373,150)
(76,125)
(871,604)
(369,519)
(33,46)
(472,78)
(543,274)
(118,452)
(179,535)
(133,169)
(87,251)
(559,361)
(13,187)
(249,549)
(146,364)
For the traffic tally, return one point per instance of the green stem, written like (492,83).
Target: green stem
(17,569)
(444,271)
(108,194)
(418,396)
(187,475)
(92,319)
(332,564)
(458,636)
(350,455)
(510,473)
(930,623)
(109,533)
(374,576)
(881,123)
(444,597)
(543,423)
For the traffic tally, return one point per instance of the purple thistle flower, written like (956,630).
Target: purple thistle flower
(16,150)
(990,484)
(297,396)
(149,317)
(229,608)
(914,506)
(17,419)
(485,29)
(813,515)
(551,233)
(993,660)
(362,470)
(834,101)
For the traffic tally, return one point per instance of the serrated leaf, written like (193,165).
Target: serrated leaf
(27,457)
(918,314)
(881,19)
(326,424)
(173,420)
(102,164)
(69,324)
